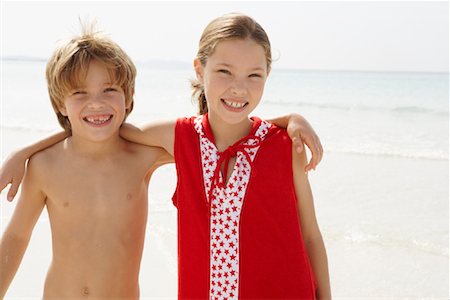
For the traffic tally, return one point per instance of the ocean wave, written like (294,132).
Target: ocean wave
(427,154)
(359,107)
(384,240)
(28,127)
(415,109)
(23,58)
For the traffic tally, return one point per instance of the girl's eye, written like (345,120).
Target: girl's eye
(110,89)
(78,93)
(255,75)
(224,71)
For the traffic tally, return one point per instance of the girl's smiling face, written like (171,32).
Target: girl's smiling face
(233,78)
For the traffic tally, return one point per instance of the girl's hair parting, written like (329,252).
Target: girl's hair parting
(68,67)
(227,27)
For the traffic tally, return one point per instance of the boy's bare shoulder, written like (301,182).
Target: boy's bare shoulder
(47,156)
(41,164)
(148,154)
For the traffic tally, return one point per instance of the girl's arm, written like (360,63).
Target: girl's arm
(162,134)
(300,131)
(311,233)
(158,134)
(18,232)
(13,167)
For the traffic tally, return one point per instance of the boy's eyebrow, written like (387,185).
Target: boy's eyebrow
(108,83)
(77,88)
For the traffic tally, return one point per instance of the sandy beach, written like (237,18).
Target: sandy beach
(384,238)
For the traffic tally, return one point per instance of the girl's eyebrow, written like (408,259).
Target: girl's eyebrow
(224,64)
(258,68)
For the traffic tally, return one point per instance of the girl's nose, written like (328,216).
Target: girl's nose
(239,87)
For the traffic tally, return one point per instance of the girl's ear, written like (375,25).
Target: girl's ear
(198,70)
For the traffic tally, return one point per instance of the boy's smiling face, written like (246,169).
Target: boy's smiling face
(97,109)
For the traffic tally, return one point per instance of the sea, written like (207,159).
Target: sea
(381,192)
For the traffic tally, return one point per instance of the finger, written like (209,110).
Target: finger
(317,158)
(319,145)
(313,162)
(3,184)
(13,190)
(298,144)
(321,152)
(310,165)
(317,154)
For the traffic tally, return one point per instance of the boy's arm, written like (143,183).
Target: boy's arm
(158,134)
(300,131)
(18,232)
(310,229)
(13,167)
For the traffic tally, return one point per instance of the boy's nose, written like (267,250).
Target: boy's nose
(96,101)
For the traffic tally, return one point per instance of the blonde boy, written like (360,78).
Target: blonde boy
(94,183)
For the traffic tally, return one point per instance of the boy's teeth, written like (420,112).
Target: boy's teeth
(97,120)
(234,104)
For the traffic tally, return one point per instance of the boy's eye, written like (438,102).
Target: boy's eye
(78,93)
(110,89)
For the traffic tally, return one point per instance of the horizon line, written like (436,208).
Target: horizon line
(160,63)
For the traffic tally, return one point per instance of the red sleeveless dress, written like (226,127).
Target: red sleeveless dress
(242,239)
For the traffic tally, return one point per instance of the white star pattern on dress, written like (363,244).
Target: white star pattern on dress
(226,203)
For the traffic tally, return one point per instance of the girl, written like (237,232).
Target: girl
(246,222)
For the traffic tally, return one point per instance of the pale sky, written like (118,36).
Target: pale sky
(355,35)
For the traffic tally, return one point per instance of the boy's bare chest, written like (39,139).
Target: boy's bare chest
(111,187)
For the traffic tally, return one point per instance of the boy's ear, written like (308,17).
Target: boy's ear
(198,70)
(62,110)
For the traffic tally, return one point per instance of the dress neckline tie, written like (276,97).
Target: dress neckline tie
(226,155)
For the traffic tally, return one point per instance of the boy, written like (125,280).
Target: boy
(94,183)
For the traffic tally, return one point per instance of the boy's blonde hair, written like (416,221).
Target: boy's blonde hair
(68,67)
(227,27)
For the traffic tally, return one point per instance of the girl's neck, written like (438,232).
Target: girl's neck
(226,134)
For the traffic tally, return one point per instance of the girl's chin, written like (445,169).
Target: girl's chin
(236,119)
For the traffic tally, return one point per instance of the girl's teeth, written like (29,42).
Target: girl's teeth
(234,104)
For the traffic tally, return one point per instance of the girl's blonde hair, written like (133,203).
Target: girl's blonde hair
(68,67)
(227,27)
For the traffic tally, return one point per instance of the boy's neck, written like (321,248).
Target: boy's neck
(226,134)
(95,149)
